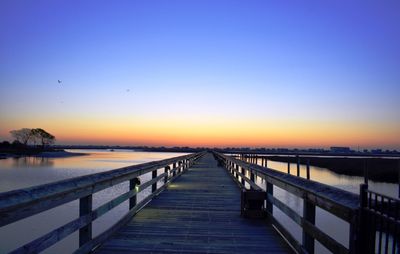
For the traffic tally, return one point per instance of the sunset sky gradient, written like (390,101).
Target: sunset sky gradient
(203,73)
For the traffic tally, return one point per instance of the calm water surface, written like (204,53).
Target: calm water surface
(30,171)
(328,223)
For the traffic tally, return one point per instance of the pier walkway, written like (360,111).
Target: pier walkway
(201,203)
(197,213)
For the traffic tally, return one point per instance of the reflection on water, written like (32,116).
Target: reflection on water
(16,173)
(328,223)
(30,171)
(24,162)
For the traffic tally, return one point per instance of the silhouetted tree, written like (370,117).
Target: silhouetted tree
(43,137)
(22,136)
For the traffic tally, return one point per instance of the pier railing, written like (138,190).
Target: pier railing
(337,202)
(19,204)
(380,222)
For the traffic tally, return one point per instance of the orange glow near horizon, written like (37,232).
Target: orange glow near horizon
(213,132)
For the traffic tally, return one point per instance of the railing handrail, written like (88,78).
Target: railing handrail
(345,200)
(18,200)
(18,204)
(341,203)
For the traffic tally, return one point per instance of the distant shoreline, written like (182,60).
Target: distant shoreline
(46,154)
(58,154)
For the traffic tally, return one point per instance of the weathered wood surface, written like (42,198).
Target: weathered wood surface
(198,213)
(19,204)
(307,220)
(339,202)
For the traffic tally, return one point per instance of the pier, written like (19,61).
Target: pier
(207,203)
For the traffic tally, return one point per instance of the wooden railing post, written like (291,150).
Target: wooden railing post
(365,172)
(181,166)
(252,177)
(166,169)
(364,246)
(308,169)
(237,170)
(132,185)
(308,215)
(270,191)
(398,170)
(154,185)
(266,163)
(85,207)
(288,167)
(298,165)
(243,173)
(173,168)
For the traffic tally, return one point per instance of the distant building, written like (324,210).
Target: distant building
(340,149)
(376,151)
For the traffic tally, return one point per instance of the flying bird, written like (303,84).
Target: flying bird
(59,81)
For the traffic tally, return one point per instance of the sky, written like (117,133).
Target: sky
(203,73)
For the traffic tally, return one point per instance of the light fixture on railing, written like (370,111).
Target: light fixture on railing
(136,182)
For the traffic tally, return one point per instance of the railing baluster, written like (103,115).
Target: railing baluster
(237,170)
(154,185)
(362,241)
(166,169)
(308,215)
(85,207)
(132,185)
(298,165)
(270,190)
(252,177)
(243,173)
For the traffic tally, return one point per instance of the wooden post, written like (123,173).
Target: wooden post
(308,215)
(399,177)
(364,246)
(308,169)
(132,185)
(298,165)
(288,166)
(154,185)
(243,172)
(85,207)
(252,176)
(237,170)
(173,168)
(166,169)
(365,172)
(353,234)
(266,162)
(270,190)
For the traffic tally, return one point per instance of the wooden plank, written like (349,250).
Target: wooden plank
(253,185)
(341,203)
(85,208)
(198,213)
(309,217)
(19,204)
(330,243)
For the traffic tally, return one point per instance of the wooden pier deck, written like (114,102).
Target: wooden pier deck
(197,213)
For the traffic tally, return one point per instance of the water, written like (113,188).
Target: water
(30,171)
(328,223)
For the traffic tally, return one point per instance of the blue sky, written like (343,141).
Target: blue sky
(318,62)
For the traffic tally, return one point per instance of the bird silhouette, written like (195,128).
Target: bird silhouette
(59,81)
